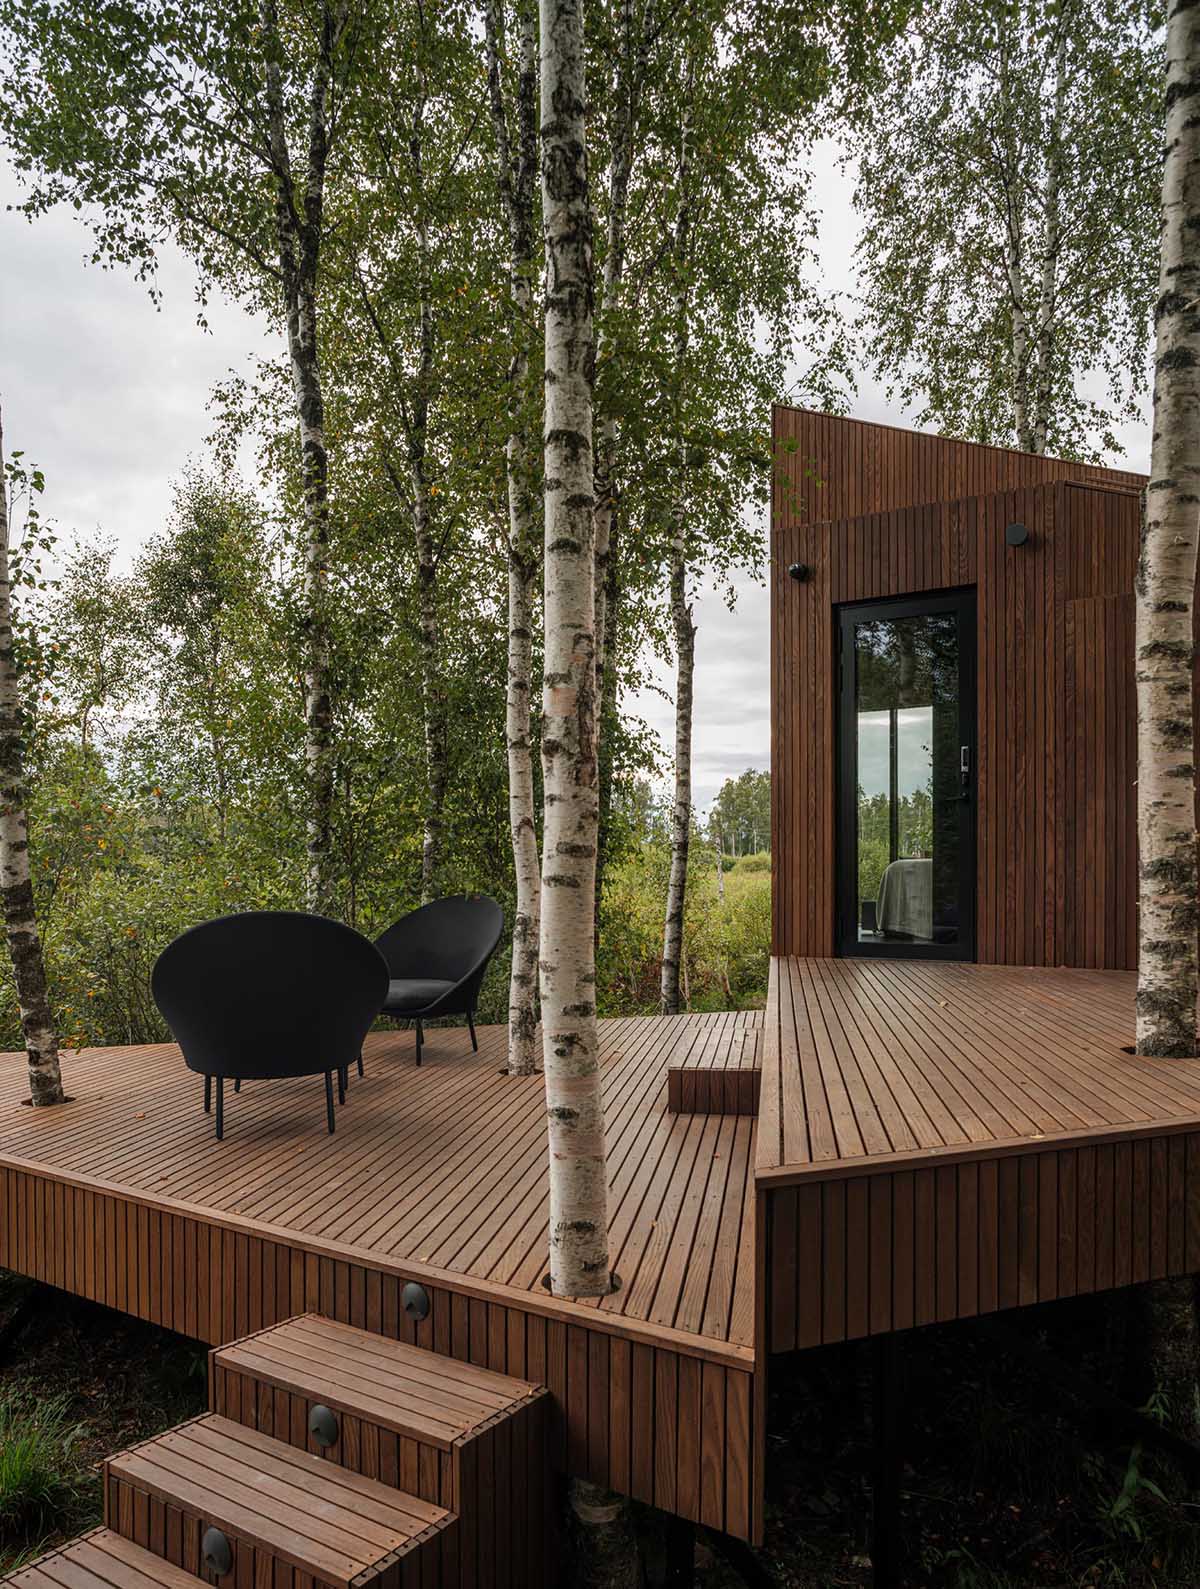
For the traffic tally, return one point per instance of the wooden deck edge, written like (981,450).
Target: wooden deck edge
(726,1354)
(774,1176)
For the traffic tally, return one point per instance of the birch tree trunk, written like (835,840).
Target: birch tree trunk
(16,880)
(685,631)
(516,185)
(433,705)
(631,72)
(298,222)
(1169,891)
(1051,245)
(579,1264)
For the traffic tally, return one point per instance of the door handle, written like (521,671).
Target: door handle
(964,772)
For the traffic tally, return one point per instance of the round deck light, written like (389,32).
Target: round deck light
(216,1552)
(323,1426)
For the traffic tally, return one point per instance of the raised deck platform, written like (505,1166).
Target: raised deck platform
(941,1140)
(932,1142)
(435,1175)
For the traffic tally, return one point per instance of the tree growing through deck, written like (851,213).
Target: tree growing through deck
(1169,880)
(579,1262)
(16,880)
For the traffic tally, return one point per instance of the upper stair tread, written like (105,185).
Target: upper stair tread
(101,1560)
(318,1516)
(400,1387)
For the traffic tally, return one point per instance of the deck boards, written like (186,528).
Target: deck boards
(940,1140)
(444,1165)
(876,1058)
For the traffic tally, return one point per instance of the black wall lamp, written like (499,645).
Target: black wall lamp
(799,571)
(1016,534)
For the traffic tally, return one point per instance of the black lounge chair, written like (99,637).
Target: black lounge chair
(269,993)
(437,957)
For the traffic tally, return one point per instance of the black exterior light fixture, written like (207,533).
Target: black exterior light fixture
(799,571)
(1017,534)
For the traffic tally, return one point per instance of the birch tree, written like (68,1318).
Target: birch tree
(1169,884)
(16,878)
(217,128)
(515,129)
(1006,174)
(579,1261)
(681,609)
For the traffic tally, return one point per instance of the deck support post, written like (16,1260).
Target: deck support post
(680,1540)
(888,1399)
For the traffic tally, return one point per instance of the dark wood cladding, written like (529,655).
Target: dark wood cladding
(1100,782)
(827,468)
(712,1092)
(889,1250)
(652,1421)
(1051,717)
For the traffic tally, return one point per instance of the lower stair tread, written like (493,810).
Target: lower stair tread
(101,1559)
(398,1386)
(321,1518)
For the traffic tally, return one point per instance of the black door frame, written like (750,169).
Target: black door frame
(962,604)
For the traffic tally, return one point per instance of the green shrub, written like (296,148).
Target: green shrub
(758,862)
(39,1477)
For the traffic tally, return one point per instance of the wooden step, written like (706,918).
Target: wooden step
(401,1388)
(278,1507)
(461,1436)
(101,1560)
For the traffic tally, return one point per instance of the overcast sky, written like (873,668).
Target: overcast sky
(109,396)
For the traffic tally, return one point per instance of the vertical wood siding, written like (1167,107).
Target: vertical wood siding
(672,1430)
(858,1255)
(1055,817)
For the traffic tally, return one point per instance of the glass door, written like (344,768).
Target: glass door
(906,808)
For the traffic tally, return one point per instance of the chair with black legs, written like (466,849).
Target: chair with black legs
(270,993)
(436,959)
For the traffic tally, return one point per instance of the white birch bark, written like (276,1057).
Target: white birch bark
(1169,891)
(685,630)
(298,234)
(579,1264)
(429,633)
(16,879)
(515,181)
(1043,351)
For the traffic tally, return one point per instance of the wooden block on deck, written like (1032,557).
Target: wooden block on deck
(704,1091)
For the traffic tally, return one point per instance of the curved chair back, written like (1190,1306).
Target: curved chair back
(269,993)
(450,939)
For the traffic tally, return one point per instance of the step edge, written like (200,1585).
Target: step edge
(397,1425)
(294,1558)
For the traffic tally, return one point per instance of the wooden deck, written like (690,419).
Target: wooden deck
(933,1141)
(435,1175)
(941,1140)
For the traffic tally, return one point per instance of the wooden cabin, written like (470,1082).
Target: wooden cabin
(936,1117)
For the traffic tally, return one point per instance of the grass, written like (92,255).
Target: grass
(77,1383)
(39,1471)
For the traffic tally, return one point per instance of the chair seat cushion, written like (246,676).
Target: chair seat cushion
(414,994)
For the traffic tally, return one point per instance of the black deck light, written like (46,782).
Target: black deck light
(323,1426)
(1016,534)
(799,571)
(216,1552)
(414,1299)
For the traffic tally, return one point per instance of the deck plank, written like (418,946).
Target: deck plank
(444,1165)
